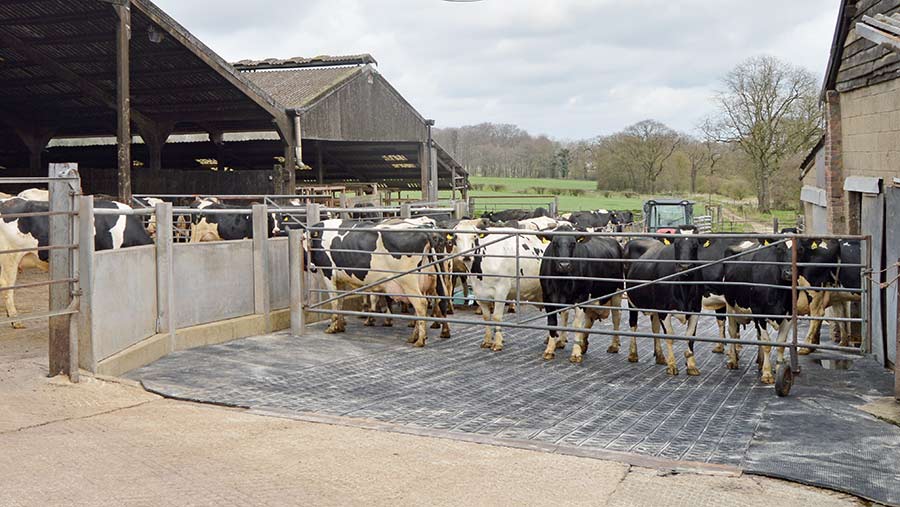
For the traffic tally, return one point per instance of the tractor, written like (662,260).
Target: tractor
(664,216)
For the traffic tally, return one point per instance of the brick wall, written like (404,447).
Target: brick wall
(834,164)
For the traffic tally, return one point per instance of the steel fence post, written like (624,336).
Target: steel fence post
(313,214)
(795,365)
(60,267)
(261,264)
(165,273)
(296,262)
(86,356)
(405,211)
(518,280)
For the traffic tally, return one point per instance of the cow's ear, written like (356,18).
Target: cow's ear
(706,245)
(450,237)
(666,241)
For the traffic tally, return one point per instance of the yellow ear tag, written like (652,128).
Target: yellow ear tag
(545,240)
(706,245)
(766,243)
(667,242)
(814,245)
(482,236)
(449,237)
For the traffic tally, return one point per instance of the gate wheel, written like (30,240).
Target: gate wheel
(784,380)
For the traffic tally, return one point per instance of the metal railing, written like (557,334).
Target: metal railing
(379,274)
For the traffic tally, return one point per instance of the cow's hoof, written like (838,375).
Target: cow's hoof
(661,360)
(18,325)
(719,349)
(413,339)
(576,359)
(549,356)
(419,344)
(767,379)
(334,330)
(694,372)
(632,358)
(672,369)
(435,325)
(497,347)
(613,349)
(803,351)
(561,344)
(369,322)
(445,333)
(486,345)
(732,365)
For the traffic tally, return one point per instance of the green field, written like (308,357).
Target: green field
(590,200)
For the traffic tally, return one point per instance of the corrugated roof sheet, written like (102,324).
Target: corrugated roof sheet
(302,61)
(298,88)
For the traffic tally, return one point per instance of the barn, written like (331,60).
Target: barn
(144,106)
(851,179)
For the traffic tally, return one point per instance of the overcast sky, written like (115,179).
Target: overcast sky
(566,68)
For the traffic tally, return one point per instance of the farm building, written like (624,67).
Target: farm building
(197,124)
(851,180)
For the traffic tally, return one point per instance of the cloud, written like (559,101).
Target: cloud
(566,68)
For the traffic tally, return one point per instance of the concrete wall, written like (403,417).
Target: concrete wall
(871,130)
(213,281)
(124,299)
(279,280)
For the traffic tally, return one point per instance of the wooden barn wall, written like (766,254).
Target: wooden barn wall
(864,63)
(180,181)
(360,111)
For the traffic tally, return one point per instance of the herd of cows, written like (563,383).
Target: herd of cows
(563,265)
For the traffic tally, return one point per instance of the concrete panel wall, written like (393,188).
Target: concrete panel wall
(870,119)
(279,281)
(124,299)
(213,281)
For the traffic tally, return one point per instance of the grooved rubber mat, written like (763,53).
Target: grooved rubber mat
(606,403)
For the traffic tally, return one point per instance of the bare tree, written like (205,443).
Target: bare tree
(702,157)
(768,108)
(646,146)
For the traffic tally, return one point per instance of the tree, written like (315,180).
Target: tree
(561,164)
(646,146)
(769,108)
(702,157)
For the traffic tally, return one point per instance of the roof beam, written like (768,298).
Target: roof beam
(73,78)
(215,62)
(56,19)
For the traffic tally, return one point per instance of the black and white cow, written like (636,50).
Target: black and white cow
(110,232)
(594,220)
(507,215)
(581,258)
(841,252)
(667,298)
(228,226)
(367,253)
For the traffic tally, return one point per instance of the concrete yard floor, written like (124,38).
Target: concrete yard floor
(104,443)
(110,443)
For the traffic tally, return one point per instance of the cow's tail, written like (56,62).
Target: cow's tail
(441,278)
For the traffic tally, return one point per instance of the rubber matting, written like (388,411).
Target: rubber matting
(722,416)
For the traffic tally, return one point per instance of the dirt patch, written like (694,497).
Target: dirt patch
(31,342)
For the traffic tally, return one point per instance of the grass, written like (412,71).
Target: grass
(591,199)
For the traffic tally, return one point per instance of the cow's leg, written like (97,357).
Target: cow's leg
(843,311)
(783,333)
(617,321)
(338,325)
(583,320)
(633,350)
(485,312)
(498,334)
(820,301)
(563,335)
(671,363)
(552,335)
(420,331)
(766,350)
(690,360)
(734,331)
(436,313)
(720,321)
(372,307)
(657,346)
(388,320)
(9,272)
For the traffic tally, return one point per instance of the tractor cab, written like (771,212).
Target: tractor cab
(666,215)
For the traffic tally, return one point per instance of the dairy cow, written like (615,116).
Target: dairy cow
(364,254)
(30,233)
(568,264)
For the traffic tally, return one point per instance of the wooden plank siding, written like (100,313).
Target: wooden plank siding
(863,63)
(360,111)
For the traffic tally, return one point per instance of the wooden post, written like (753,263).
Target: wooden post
(165,273)
(433,181)
(405,211)
(297,275)
(155,140)
(278,179)
(123,100)
(86,357)
(60,269)
(261,263)
(425,170)
(313,214)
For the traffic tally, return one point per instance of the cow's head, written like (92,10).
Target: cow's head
(819,251)
(563,248)
(686,245)
(781,253)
